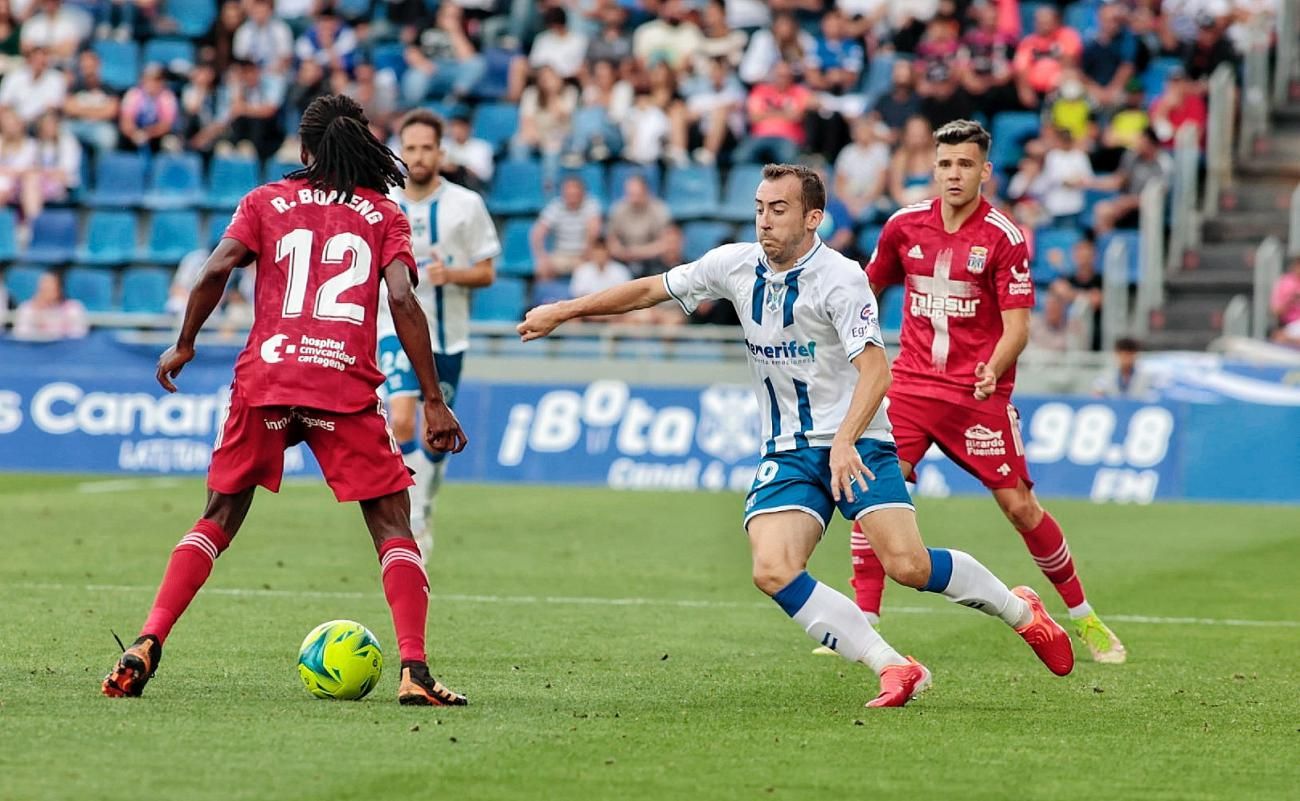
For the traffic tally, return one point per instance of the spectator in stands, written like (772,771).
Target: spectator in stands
(1110,57)
(558,47)
(862,171)
(1285,303)
(1126,381)
(784,43)
(901,103)
(48,315)
(1025,190)
(906,21)
(983,63)
(1180,104)
(1138,168)
(715,111)
(572,221)
(17,159)
(295,12)
(443,60)
(837,62)
(255,100)
(328,41)
(35,87)
(58,29)
(612,42)
(140,20)
(471,156)
(942,97)
(264,40)
(545,119)
(939,44)
(11,57)
(230,16)
(1067,173)
(721,41)
(205,112)
(605,102)
(1043,55)
(657,118)
(148,112)
(598,272)
(311,82)
(1081,279)
(638,224)
(776,112)
(91,108)
(56,169)
(863,17)
(375,91)
(1208,49)
(187,273)
(1155,36)
(669,37)
(1053,329)
(1126,125)
(1070,107)
(911,171)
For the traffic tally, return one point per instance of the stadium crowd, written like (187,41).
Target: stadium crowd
(612,139)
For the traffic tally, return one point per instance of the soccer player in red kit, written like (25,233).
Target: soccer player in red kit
(968,294)
(322,240)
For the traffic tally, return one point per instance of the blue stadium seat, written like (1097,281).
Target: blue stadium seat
(120,63)
(175,181)
(1157,72)
(702,236)
(516,254)
(171,235)
(177,55)
(552,291)
(1052,253)
(620,172)
(1090,200)
(1132,247)
(868,238)
(194,17)
(110,238)
(495,123)
(145,289)
(94,288)
(891,309)
(277,169)
(692,192)
(517,188)
(20,282)
(503,301)
(496,78)
(216,230)
(1027,10)
(54,237)
(229,179)
(593,177)
(119,180)
(1011,129)
(1082,16)
(8,243)
(738,202)
(389,56)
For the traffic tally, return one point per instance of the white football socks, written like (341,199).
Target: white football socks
(834,621)
(961,578)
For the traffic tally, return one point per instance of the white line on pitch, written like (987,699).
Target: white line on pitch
(127,485)
(581,600)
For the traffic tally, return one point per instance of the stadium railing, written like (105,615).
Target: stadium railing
(1255,105)
(1268,268)
(1218,145)
(1116,320)
(1236,318)
(1293,232)
(1286,66)
(1184,224)
(1151,245)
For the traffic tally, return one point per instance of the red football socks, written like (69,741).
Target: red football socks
(406,586)
(868,573)
(1047,545)
(187,569)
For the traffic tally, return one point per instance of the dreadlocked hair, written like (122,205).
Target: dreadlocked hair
(345,154)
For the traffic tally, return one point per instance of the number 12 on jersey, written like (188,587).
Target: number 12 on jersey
(296,246)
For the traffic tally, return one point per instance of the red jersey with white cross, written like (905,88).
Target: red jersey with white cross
(320,260)
(956,287)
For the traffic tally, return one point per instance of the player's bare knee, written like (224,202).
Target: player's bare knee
(228,511)
(910,567)
(772,577)
(1022,511)
(403,428)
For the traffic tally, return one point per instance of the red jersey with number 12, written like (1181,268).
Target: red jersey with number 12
(956,287)
(319,264)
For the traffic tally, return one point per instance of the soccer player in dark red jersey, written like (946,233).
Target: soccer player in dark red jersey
(968,293)
(322,240)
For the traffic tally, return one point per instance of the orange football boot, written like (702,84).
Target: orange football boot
(418,688)
(1045,635)
(901,683)
(133,669)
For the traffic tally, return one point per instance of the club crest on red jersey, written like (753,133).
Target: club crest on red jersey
(977,259)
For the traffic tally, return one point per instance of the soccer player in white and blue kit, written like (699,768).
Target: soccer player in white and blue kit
(455,244)
(820,373)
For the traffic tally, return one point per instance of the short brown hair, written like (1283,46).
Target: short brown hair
(959,132)
(812,190)
(422,116)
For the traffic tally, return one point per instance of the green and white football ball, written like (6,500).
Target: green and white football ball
(340,659)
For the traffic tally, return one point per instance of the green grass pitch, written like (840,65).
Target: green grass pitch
(613,648)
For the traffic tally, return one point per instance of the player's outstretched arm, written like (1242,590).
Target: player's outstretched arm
(873,381)
(204,297)
(442,430)
(639,294)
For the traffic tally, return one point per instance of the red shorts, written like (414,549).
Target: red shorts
(356,451)
(984,440)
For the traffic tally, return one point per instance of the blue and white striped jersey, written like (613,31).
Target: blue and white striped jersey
(802,326)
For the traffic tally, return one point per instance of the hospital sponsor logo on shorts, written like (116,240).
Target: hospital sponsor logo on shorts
(981,441)
(280,423)
(320,351)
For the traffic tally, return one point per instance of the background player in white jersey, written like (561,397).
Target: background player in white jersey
(820,374)
(455,243)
